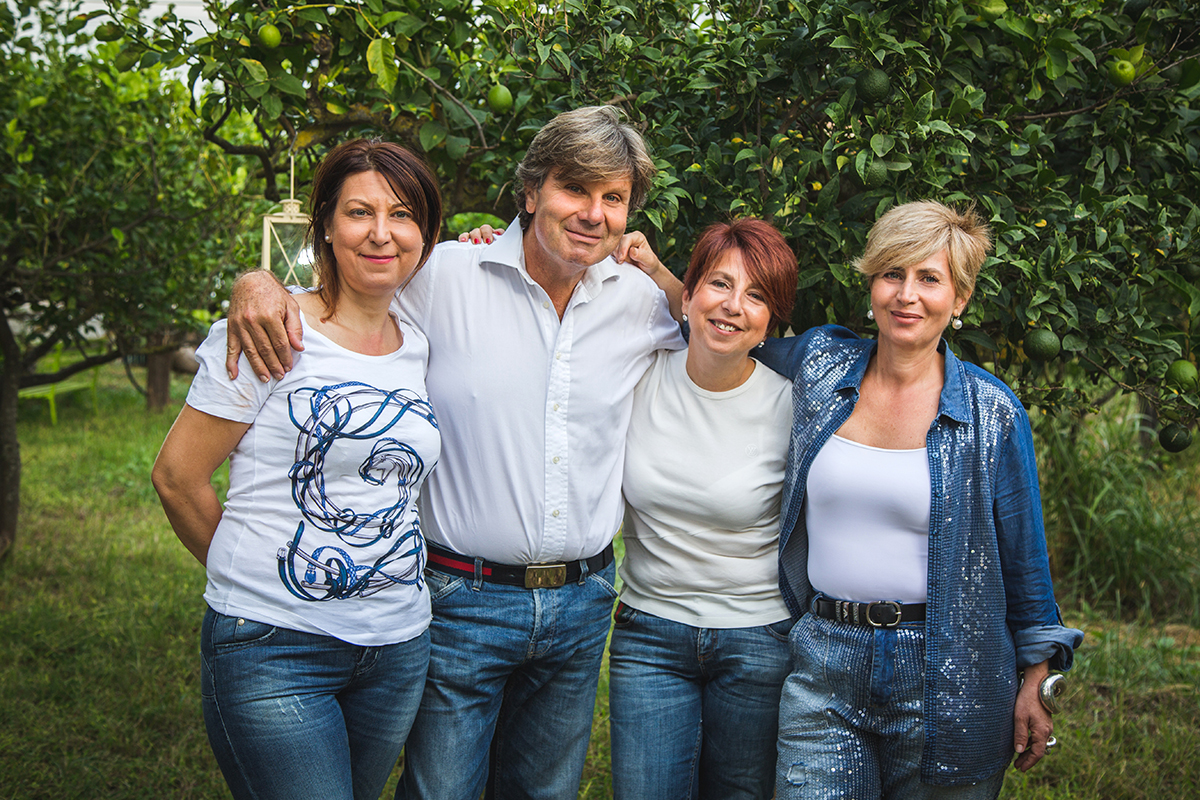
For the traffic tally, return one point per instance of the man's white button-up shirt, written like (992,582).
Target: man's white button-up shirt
(532,410)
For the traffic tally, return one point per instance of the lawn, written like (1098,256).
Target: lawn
(100,606)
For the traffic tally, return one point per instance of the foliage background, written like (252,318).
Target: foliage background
(753,108)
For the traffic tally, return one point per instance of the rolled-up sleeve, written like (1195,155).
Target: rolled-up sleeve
(1032,614)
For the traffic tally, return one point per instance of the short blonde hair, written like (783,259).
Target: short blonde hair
(910,233)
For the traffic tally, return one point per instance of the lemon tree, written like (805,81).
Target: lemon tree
(818,115)
(111,206)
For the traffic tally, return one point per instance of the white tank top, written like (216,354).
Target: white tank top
(867,512)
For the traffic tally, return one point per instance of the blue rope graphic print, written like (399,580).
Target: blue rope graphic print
(326,417)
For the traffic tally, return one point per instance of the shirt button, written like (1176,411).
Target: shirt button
(555,512)
(556,406)
(556,459)
(557,356)
(545,304)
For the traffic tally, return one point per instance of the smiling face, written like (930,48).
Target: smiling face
(376,242)
(576,223)
(727,313)
(914,304)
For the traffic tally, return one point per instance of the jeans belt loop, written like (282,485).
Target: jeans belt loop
(477,584)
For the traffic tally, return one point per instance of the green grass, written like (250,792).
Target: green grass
(100,607)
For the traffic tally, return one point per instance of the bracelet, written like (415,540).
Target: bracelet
(1049,690)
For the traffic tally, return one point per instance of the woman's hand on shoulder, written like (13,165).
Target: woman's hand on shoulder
(1032,723)
(484,234)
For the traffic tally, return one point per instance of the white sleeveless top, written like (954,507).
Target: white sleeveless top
(867,512)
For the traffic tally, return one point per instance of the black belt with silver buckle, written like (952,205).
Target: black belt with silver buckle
(877,614)
(531,576)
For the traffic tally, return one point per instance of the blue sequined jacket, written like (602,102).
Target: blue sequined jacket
(991,608)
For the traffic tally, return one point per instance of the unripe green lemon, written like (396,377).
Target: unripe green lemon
(1041,345)
(1122,72)
(873,85)
(499,99)
(1135,8)
(127,59)
(1182,375)
(876,174)
(1174,438)
(108,32)
(269,36)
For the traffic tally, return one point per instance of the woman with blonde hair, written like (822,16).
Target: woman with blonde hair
(911,546)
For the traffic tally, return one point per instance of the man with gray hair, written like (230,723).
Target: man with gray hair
(536,344)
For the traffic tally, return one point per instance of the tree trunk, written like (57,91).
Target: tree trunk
(158,380)
(10,451)
(158,371)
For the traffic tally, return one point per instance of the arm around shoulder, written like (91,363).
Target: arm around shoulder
(264,323)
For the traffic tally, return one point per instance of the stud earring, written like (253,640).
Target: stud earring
(685,317)
(760,344)
(956,323)
(328,237)
(870,313)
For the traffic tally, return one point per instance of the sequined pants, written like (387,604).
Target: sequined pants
(850,717)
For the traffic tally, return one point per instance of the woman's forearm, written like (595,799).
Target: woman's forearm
(193,513)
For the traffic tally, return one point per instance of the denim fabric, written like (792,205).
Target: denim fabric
(517,664)
(694,711)
(853,727)
(991,606)
(292,714)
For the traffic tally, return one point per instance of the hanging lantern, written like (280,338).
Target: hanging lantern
(283,250)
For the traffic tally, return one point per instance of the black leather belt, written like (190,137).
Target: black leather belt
(877,614)
(531,576)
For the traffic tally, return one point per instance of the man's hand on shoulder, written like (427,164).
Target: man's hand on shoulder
(263,323)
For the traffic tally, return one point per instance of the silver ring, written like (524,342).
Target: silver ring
(1051,742)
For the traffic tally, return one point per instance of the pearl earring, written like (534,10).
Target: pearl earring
(956,323)
(870,313)
(328,237)
(685,317)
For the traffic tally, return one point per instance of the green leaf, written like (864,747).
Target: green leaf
(431,135)
(456,147)
(381,61)
(882,144)
(257,71)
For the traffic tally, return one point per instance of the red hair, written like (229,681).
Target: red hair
(769,262)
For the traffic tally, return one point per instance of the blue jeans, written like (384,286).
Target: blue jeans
(850,722)
(292,715)
(694,711)
(512,669)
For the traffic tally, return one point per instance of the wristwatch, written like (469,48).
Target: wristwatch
(1049,690)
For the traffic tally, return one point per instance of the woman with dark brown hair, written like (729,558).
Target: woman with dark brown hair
(314,645)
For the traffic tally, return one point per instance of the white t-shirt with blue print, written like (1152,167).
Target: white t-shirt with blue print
(320,531)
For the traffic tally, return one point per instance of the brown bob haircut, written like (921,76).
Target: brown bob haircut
(769,262)
(407,174)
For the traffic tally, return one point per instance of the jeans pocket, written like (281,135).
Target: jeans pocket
(780,631)
(232,633)
(604,579)
(624,615)
(441,584)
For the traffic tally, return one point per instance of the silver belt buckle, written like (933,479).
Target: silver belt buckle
(895,608)
(545,576)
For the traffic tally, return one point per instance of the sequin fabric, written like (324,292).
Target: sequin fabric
(990,601)
(854,727)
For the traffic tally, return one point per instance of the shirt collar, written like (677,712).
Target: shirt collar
(952,402)
(508,250)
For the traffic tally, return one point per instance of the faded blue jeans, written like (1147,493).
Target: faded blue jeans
(293,715)
(694,711)
(850,723)
(512,683)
